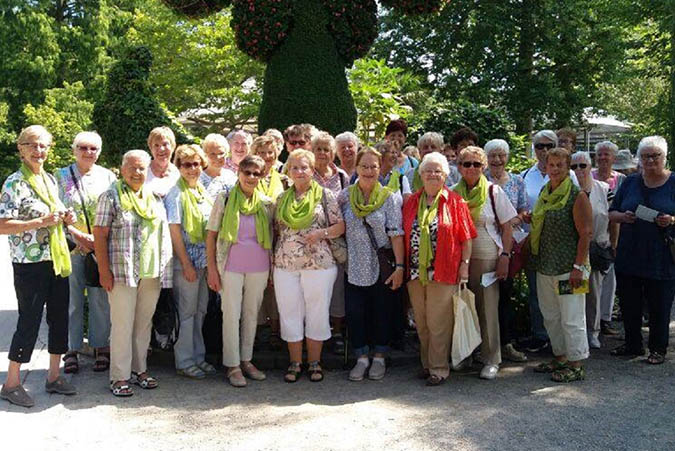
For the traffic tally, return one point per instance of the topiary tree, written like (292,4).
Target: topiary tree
(307,44)
(128,109)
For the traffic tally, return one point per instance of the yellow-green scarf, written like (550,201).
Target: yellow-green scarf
(47,192)
(547,201)
(299,213)
(476,197)
(144,207)
(274,187)
(238,203)
(417,181)
(360,207)
(425,216)
(394,183)
(194,222)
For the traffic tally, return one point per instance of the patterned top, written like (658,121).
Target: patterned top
(174,212)
(293,253)
(336,183)
(514,189)
(415,249)
(124,240)
(224,182)
(559,239)
(19,201)
(92,185)
(231,165)
(363,268)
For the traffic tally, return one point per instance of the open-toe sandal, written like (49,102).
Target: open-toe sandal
(70,363)
(569,374)
(550,367)
(656,358)
(144,380)
(315,372)
(293,372)
(434,380)
(121,389)
(102,362)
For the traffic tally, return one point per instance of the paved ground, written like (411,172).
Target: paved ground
(622,405)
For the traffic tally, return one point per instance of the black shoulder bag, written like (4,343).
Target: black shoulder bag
(385,255)
(666,232)
(91,276)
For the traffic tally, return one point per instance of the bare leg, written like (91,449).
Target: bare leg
(313,350)
(13,375)
(295,351)
(54,367)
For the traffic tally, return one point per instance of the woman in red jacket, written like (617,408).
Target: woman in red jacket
(438,233)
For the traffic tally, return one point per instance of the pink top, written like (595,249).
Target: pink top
(612,181)
(246,255)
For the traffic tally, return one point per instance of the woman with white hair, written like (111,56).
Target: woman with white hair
(645,256)
(599,194)
(133,249)
(438,232)
(497,151)
(240,142)
(216,148)
(80,185)
(430,142)
(347,146)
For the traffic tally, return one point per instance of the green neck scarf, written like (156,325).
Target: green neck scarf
(394,183)
(417,181)
(273,187)
(299,213)
(360,207)
(238,203)
(144,207)
(193,219)
(425,216)
(547,201)
(475,197)
(47,192)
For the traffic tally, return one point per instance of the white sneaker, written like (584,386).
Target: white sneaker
(509,352)
(358,372)
(593,342)
(489,372)
(377,369)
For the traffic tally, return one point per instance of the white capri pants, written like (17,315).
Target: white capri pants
(303,299)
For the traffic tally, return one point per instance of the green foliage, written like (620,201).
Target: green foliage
(415,6)
(129,110)
(305,79)
(198,8)
(380,94)
(353,25)
(262,25)
(8,152)
(65,112)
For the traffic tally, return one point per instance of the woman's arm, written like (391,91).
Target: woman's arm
(502,270)
(212,275)
(396,278)
(102,258)
(179,251)
(16,226)
(463,275)
(583,221)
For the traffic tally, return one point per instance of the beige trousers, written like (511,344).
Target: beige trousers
(131,310)
(487,306)
(434,317)
(241,296)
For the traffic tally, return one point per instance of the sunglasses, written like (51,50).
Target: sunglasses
(297,143)
(650,156)
(193,165)
(579,165)
(541,146)
(248,173)
(88,148)
(475,164)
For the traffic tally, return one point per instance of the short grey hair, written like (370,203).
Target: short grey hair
(215,139)
(548,134)
(246,135)
(496,144)
(658,142)
(434,137)
(583,156)
(136,153)
(347,136)
(435,157)
(91,137)
(606,145)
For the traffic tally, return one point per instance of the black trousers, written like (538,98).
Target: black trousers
(369,311)
(659,297)
(37,285)
(507,312)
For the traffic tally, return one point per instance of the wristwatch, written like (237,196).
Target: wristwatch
(466,260)
(581,268)
(505,254)
(325,233)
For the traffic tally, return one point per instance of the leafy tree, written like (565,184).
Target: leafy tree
(8,159)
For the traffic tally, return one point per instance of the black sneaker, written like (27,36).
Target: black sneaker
(537,345)
(338,344)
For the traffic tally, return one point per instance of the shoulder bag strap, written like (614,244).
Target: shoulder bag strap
(371,234)
(84,208)
(324,205)
(498,223)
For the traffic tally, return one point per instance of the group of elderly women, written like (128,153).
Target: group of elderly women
(269,238)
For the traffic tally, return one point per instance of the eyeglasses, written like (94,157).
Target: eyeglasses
(579,165)
(88,148)
(542,146)
(650,156)
(193,165)
(475,164)
(248,173)
(36,146)
(297,143)
(433,172)
(366,168)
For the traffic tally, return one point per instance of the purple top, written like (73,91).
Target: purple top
(246,255)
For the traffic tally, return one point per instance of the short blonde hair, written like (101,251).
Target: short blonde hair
(324,137)
(559,152)
(162,132)
(368,151)
(215,139)
(384,146)
(185,151)
(472,150)
(299,154)
(263,142)
(433,137)
(277,135)
(34,131)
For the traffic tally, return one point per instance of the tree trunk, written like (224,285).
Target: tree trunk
(305,80)
(523,84)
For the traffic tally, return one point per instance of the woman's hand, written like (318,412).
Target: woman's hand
(527,217)
(502,271)
(628,217)
(106,280)
(463,276)
(86,241)
(576,277)
(396,279)
(315,236)
(213,278)
(189,272)
(664,220)
(50,219)
(69,217)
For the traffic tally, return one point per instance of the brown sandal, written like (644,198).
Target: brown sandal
(70,363)
(293,372)
(102,362)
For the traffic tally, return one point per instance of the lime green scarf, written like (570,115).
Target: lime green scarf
(360,207)
(272,188)
(475,197)
(394,183)
(47,192)
(299,214)
(194,222)
(144,207)
(425,216)
(547,201)
(238,203)
(417,181)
